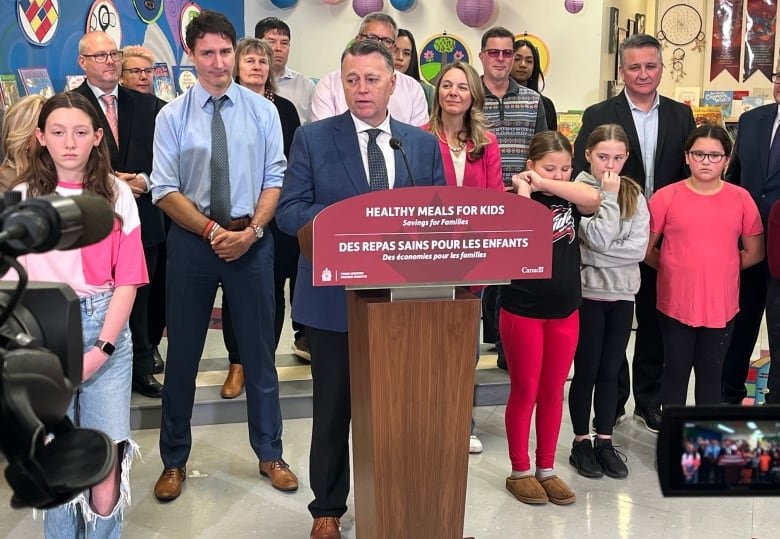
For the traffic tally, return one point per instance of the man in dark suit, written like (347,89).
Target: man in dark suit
(755,165)
(657,129)
(128,119)
(328,163)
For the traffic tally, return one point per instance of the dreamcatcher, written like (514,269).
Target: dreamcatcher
(681,25)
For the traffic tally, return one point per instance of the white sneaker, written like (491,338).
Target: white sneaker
(475,446)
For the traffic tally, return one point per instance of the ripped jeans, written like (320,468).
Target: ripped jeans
(102,403)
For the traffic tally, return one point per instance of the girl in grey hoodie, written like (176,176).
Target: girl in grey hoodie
(612,243)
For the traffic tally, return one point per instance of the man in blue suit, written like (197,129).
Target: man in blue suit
(755,165)
(331,160)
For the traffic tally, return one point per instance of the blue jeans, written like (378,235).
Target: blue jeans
(102,403)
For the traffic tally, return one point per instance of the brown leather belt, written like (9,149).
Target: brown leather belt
(238,224)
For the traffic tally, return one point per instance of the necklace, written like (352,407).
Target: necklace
(455,149)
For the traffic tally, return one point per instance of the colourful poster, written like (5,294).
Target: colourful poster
(760,27)
(440,50)
(726,32)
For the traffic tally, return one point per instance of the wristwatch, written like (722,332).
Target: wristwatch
(105,346)
(258,230)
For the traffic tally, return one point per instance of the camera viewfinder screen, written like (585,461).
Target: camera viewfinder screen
(730,454)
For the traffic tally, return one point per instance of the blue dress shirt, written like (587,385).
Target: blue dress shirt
(182,148)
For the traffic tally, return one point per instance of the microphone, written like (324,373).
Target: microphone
(395,144)
(38,225)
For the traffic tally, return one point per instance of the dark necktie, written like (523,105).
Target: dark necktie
(377,168)
(220,168)
(774,153)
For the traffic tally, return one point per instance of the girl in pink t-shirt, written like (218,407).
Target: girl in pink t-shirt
(702,220)
(73,158)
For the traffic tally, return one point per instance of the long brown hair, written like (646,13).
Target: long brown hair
(41,176)
(629,190)
(474,123)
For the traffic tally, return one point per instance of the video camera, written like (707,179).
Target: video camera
(49,460)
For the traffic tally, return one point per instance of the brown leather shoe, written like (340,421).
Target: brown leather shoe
(168,486)
(234,383)
(325,528)
(278,471)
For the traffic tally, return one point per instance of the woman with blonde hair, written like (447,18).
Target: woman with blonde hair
(19,141)
(137,69)
(469,151)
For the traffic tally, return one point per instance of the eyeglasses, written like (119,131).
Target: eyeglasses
(497,53)
(386,41)
(137,71)
(775,77)
(102,57)
(712,157)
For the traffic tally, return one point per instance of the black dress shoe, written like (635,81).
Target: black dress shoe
(159,364)
(148,386)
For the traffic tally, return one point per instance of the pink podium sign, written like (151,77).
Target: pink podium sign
(431,235)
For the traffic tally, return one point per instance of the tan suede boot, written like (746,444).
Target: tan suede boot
(527,490)
(557,491)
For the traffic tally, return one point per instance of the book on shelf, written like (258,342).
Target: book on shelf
(688,95)
(162,81)
(719,98)
(36,81)
(185,76)
(751,102)
(569,124)
(74,81)
(708,115)
(9,90)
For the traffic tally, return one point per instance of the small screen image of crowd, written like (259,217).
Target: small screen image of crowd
(731,453)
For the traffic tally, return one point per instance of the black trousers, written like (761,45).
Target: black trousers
(752,300)
(648,364)
(773,329)
(489,317)
(702,349)
(143,355)
(605,327)
(157,292)
(286,252)
(329,453)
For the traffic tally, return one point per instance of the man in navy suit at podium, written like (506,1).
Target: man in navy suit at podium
(331,160)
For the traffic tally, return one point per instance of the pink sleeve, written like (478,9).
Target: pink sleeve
(130,268)
(494,178)
(658,207)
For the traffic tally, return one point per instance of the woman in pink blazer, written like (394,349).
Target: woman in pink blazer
(469,151)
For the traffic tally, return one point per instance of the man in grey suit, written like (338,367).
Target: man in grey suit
(328,163)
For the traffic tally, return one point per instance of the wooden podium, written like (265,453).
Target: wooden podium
(412,383)
(413,334)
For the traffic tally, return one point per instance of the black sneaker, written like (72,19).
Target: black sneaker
(651,418)
(583,458)
(612,461)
